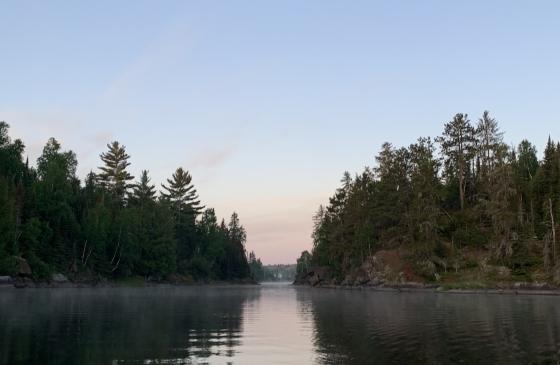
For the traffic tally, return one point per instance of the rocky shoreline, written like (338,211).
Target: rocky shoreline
(61,281)
(319,278)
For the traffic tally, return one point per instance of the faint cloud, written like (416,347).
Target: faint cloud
(102,138)
(211,157)
(71,129)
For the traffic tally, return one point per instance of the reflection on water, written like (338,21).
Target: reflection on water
(274,324)
(362,327)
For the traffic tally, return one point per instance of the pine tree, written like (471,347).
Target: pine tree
(114,176)
(181,193)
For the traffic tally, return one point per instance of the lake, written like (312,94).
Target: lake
(274,324)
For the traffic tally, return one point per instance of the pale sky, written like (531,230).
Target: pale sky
(268,103)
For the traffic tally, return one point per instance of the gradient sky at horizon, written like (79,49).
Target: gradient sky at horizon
(268,103)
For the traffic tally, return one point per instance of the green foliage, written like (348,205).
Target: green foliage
(478,195)
(109,226)
(8,265)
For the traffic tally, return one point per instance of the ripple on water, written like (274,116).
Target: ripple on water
(275,325)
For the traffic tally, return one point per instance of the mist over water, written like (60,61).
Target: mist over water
(274,324)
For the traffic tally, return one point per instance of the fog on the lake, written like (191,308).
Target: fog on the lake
(274,323)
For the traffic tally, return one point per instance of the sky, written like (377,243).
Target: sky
(267,103)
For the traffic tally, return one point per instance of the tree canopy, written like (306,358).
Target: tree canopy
(468,197)
(109,226)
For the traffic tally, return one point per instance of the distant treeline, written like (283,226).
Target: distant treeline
(465,191)
(279,272)
(112,225)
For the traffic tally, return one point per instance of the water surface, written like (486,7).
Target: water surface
(274,324)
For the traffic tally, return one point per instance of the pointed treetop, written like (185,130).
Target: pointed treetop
(143,190)
(113,175)
(181,192)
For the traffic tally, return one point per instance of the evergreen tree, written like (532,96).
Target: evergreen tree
(114,176)
(489,140)
(458,146)
(143,191)
(182,194)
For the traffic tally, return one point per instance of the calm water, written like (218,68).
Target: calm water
(274,324)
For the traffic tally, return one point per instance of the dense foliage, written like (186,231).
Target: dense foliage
(111,225)
(465,191)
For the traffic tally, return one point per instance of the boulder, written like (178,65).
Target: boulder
(503,272)
(59,278)
(4,280)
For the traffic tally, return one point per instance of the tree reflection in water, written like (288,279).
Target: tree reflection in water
(365,327)
(121,326)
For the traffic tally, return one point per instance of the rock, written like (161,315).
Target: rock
(22,282)
(503,272)
(6,280)
(361,280)
(24,269)
(314,277)
(59,278)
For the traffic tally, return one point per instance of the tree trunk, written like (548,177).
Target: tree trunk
(553,231)
(532,218)
(461,185)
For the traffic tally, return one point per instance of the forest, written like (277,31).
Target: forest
(110,226)
(464,207)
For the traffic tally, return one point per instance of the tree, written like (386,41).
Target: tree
(457,145)
(56,192)
(114,176)
(53,223)
(236,259)
(424,209)
(183,200)
(182,194)
(489,140)
(303,263)
(526,169)
(143,191)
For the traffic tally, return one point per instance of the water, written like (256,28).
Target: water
(274,324)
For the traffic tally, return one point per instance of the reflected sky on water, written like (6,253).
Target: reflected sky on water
(274,324)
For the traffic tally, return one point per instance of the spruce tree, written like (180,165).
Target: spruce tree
(143,191)
(489,141)
(458,146)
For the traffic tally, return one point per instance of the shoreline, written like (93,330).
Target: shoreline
(438,289)
(27,283)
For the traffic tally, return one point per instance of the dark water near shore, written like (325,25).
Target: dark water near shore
(274,324)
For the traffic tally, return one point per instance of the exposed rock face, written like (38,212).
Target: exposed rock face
(383,268)
(24,270)
(316,276)
(6,280)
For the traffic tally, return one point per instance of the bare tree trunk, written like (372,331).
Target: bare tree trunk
(117,248)
(532,218)
(553,231)
(520,214)
(461,185)
(84,251)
